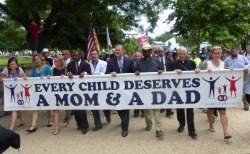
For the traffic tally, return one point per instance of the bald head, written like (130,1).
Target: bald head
(182,53)
(136,56)
(161,52)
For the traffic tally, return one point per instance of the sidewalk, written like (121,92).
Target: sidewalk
(108,139)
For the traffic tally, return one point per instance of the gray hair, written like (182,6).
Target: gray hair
(182,49)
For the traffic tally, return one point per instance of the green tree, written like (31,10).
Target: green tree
(67,21)
(11,36)
(223,23)
(130,45)
(164,37)
(179,39)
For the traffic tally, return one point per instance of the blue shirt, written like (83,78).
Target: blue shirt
(236,62)
(203,56)
(202,64)
(46,71)
(247,83)
(13,75)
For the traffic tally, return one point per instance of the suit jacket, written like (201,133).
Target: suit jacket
(168,62)
(100,67)
(83,67)
(70,60)
(113,66)
(134,66)
(186,66)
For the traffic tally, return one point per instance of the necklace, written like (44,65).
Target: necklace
(216,64)
(39,68)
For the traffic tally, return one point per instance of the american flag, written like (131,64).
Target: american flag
(91,39)
(143,39)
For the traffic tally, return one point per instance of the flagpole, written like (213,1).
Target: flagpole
(91,40)
(109,45)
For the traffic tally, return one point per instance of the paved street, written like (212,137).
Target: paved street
(109,140)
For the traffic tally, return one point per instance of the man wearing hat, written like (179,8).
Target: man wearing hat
(150,64)
(46,54)
(203,54)
(196,60)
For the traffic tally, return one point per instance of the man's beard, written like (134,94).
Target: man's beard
(234,55)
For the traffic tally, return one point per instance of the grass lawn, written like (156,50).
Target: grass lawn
(21,60)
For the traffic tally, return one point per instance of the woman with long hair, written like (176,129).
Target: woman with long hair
(39,70)
(217,64)
(59,70)
(14,72)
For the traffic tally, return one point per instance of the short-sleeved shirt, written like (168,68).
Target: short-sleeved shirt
(197,61)
(33,30)
(5,71)
(236,62)
(151,64)
(46,71)
(14,74)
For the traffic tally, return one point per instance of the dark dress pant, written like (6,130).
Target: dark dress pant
(124,116)
(96,116)
(137,111)
(190,118)
(81,119)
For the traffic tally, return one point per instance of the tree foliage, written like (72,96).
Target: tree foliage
(164,37)
(11,36)
(130,45)
(182,41)
(223,23)
(67,21)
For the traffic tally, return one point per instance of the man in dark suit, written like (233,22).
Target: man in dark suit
(182,64)
(81,68)
(165,62)
(66,57)
(120,64)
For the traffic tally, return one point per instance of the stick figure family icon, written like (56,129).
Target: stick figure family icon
(19,95)
(222,89)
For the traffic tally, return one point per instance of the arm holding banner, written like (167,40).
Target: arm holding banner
(110,68)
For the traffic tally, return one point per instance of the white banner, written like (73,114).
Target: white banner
(126,91)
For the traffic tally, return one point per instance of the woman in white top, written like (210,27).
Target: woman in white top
(217,64)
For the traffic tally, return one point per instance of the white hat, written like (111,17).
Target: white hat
(45,50)
(146,46)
